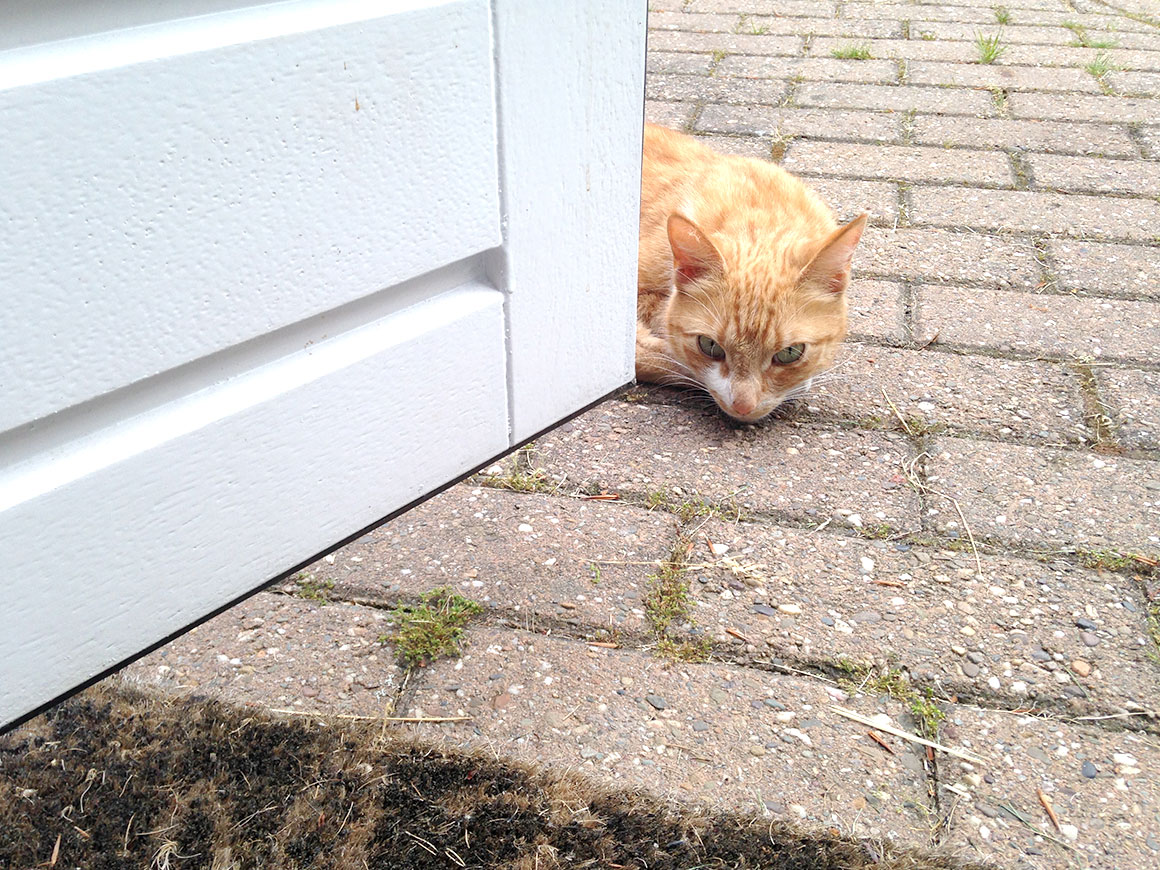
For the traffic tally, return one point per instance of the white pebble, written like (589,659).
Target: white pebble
(792,609)
(855,520)
(1069,831)
(867,564)
(524,527)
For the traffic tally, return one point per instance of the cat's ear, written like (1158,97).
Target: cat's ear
(694,256)
(830,267)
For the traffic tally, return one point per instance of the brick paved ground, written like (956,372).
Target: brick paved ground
(965,510)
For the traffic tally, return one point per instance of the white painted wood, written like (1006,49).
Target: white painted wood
(210,495)
(157,212)
(270,274)
(571,119)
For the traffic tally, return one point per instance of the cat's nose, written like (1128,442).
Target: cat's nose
(744,405)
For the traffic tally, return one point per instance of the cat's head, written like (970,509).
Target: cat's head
(754,324)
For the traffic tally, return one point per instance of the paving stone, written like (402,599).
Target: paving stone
(692,22)
(693,88)
(1079,107)
(849,198)
(901,98)
(1032,400)
(1090,174)
(809,123)
(940,256)
(810,9)
(539,555)
(810,68)
(1102,139)
(909,49)
(807,471)
(1080,57)
(848,27)
(899,162)
(282,652)
(868,601)
(1115,816)
(1138,83)
(1012,33)
(1045,496)
(1134,400)
(1150,141)
(1033,211)
(1039,323)
(1026,78)
(675,115)
(1112,270)
(555,701)
(876,309)
(918,13)
(1149,41)
(758,147)
(678,62)
(732,43)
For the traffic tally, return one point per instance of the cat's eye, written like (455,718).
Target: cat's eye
(789,354)
(710,348)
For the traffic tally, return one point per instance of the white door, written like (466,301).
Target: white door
(271,272)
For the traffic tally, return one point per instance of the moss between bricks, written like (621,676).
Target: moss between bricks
(114,779)
(667,602)
(431,629)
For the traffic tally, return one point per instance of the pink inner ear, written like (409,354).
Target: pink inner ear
(693,254)
(830,267)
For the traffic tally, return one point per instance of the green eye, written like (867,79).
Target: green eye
(789,354)
(710,348)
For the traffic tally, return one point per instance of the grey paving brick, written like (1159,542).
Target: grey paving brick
(1072,326)
(1001,398)
(643,448)
(1032,211)
(760,147)
(1112,815)
(666,40)
(671,87)
(1150,139)
(810,68)
(1121,58)
(674,115)
(1112,270)
(849,198)
(876,309)
(1102,139)
(918,13)
(899,163)
(723,736)
(1133,397)
(912,49)
(1042,496)
(1138,83)
(678,62)
(789,8)
(692,22)
(940,256)
(1142,41)
(893,98)
(928,610)
(1078,107)
(809,123)
(1026,78)
(1012,33)
(848,27)
(1091,174)
(282,652)
(540,556)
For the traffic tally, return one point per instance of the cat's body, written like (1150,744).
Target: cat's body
(741,278)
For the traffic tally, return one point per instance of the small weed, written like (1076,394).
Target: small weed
(1101,43)
(657,498)
(927,36)
(684,650)
(1108,560)
(518,480)
(859,51)
(313,589)
(894,682)
(1002,14)
(1082,40)
(596,576)
(927,712)
(431,629)
(719,54)
(666,602)
(878,532)
(990,47)
(1100,66)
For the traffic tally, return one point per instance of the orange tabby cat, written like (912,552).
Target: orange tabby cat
(742,276)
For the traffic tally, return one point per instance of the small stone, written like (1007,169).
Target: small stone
(855,520)
(757,750)
(970,669)
(792,609)
(1122,758)
(958,650)
(700,725)
(656,701)
(993,682)
(987,810)
(1085,624)
(1069,831)
(1089,770)
(1081,667)
(1089,639)
(764,610)
(867,564)
(524,527)
(798,810)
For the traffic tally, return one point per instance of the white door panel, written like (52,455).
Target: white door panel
(272,273)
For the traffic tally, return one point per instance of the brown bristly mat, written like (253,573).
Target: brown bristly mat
(116,779)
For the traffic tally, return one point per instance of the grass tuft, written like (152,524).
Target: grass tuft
(431,629)
(1100,66)
(854,51)
(989,46)
(1002,14)
(667,602)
